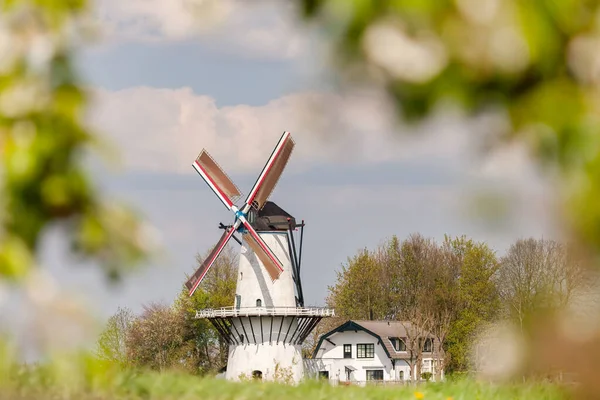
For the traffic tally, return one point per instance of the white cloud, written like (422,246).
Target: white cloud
(257,28)
(165,129)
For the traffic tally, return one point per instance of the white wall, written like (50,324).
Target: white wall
(332,357)
(254,282)
(243,359)
(264,351)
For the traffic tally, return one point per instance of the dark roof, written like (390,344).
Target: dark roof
(271,209)
(381,330)
(273,218)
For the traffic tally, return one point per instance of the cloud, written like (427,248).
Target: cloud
(163,130)
(265,29)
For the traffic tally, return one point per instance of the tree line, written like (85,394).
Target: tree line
(451,290)
(454,289)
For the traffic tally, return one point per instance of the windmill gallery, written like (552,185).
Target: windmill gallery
(268,323)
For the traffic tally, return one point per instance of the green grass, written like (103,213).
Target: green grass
(99,382)
(83,377)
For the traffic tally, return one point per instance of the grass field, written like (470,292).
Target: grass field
(98,382)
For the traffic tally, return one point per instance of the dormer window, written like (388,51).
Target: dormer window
(428,346)
(399,344)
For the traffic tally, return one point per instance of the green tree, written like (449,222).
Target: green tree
(155,339)
(208,351)
(358,292)
(112,344)
(169,336)
(447,290)
(477,297)
(44,143)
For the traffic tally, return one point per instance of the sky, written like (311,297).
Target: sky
(171,77)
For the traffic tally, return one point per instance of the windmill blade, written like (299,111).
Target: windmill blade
(263,252)
(216,179)
(271,172)
(194,281)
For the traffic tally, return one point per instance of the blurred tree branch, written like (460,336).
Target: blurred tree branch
(43,142)
(534,61)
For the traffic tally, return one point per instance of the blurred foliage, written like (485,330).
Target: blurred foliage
(535,62)
(44,145)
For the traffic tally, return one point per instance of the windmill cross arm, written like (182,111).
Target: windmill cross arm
(269,176)
(216,179)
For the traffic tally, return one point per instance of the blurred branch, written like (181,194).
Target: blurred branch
(43,141)
(535,61)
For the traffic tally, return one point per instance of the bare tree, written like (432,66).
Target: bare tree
(538,274)
(417,329)
(416,264)
(443,303)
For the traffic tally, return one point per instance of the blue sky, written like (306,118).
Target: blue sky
(163,91)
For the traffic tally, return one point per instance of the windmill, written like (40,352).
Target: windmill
(268,323)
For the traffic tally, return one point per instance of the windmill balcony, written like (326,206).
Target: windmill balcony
(265,311)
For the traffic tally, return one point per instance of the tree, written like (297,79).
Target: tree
(169,336)
(434,289)
(538,274)
(417,327)
(358,292)
(208,351)
(155,338)
(478,301)
(444,305)
(419,262)
(112,344)
(42,143)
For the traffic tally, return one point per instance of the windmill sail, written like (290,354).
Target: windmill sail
(216,179)
(194,281)
(271,172)
(264,254)
(227,192)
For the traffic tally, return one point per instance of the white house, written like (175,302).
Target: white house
(363,351)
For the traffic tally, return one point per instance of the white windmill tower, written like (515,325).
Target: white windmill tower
(268,323)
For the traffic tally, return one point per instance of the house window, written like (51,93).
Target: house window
(398,343)
(347,351)
(426,366)
(374,374)
(365,350)
(401,375)
(428,346)
(258,303)
(324,374)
